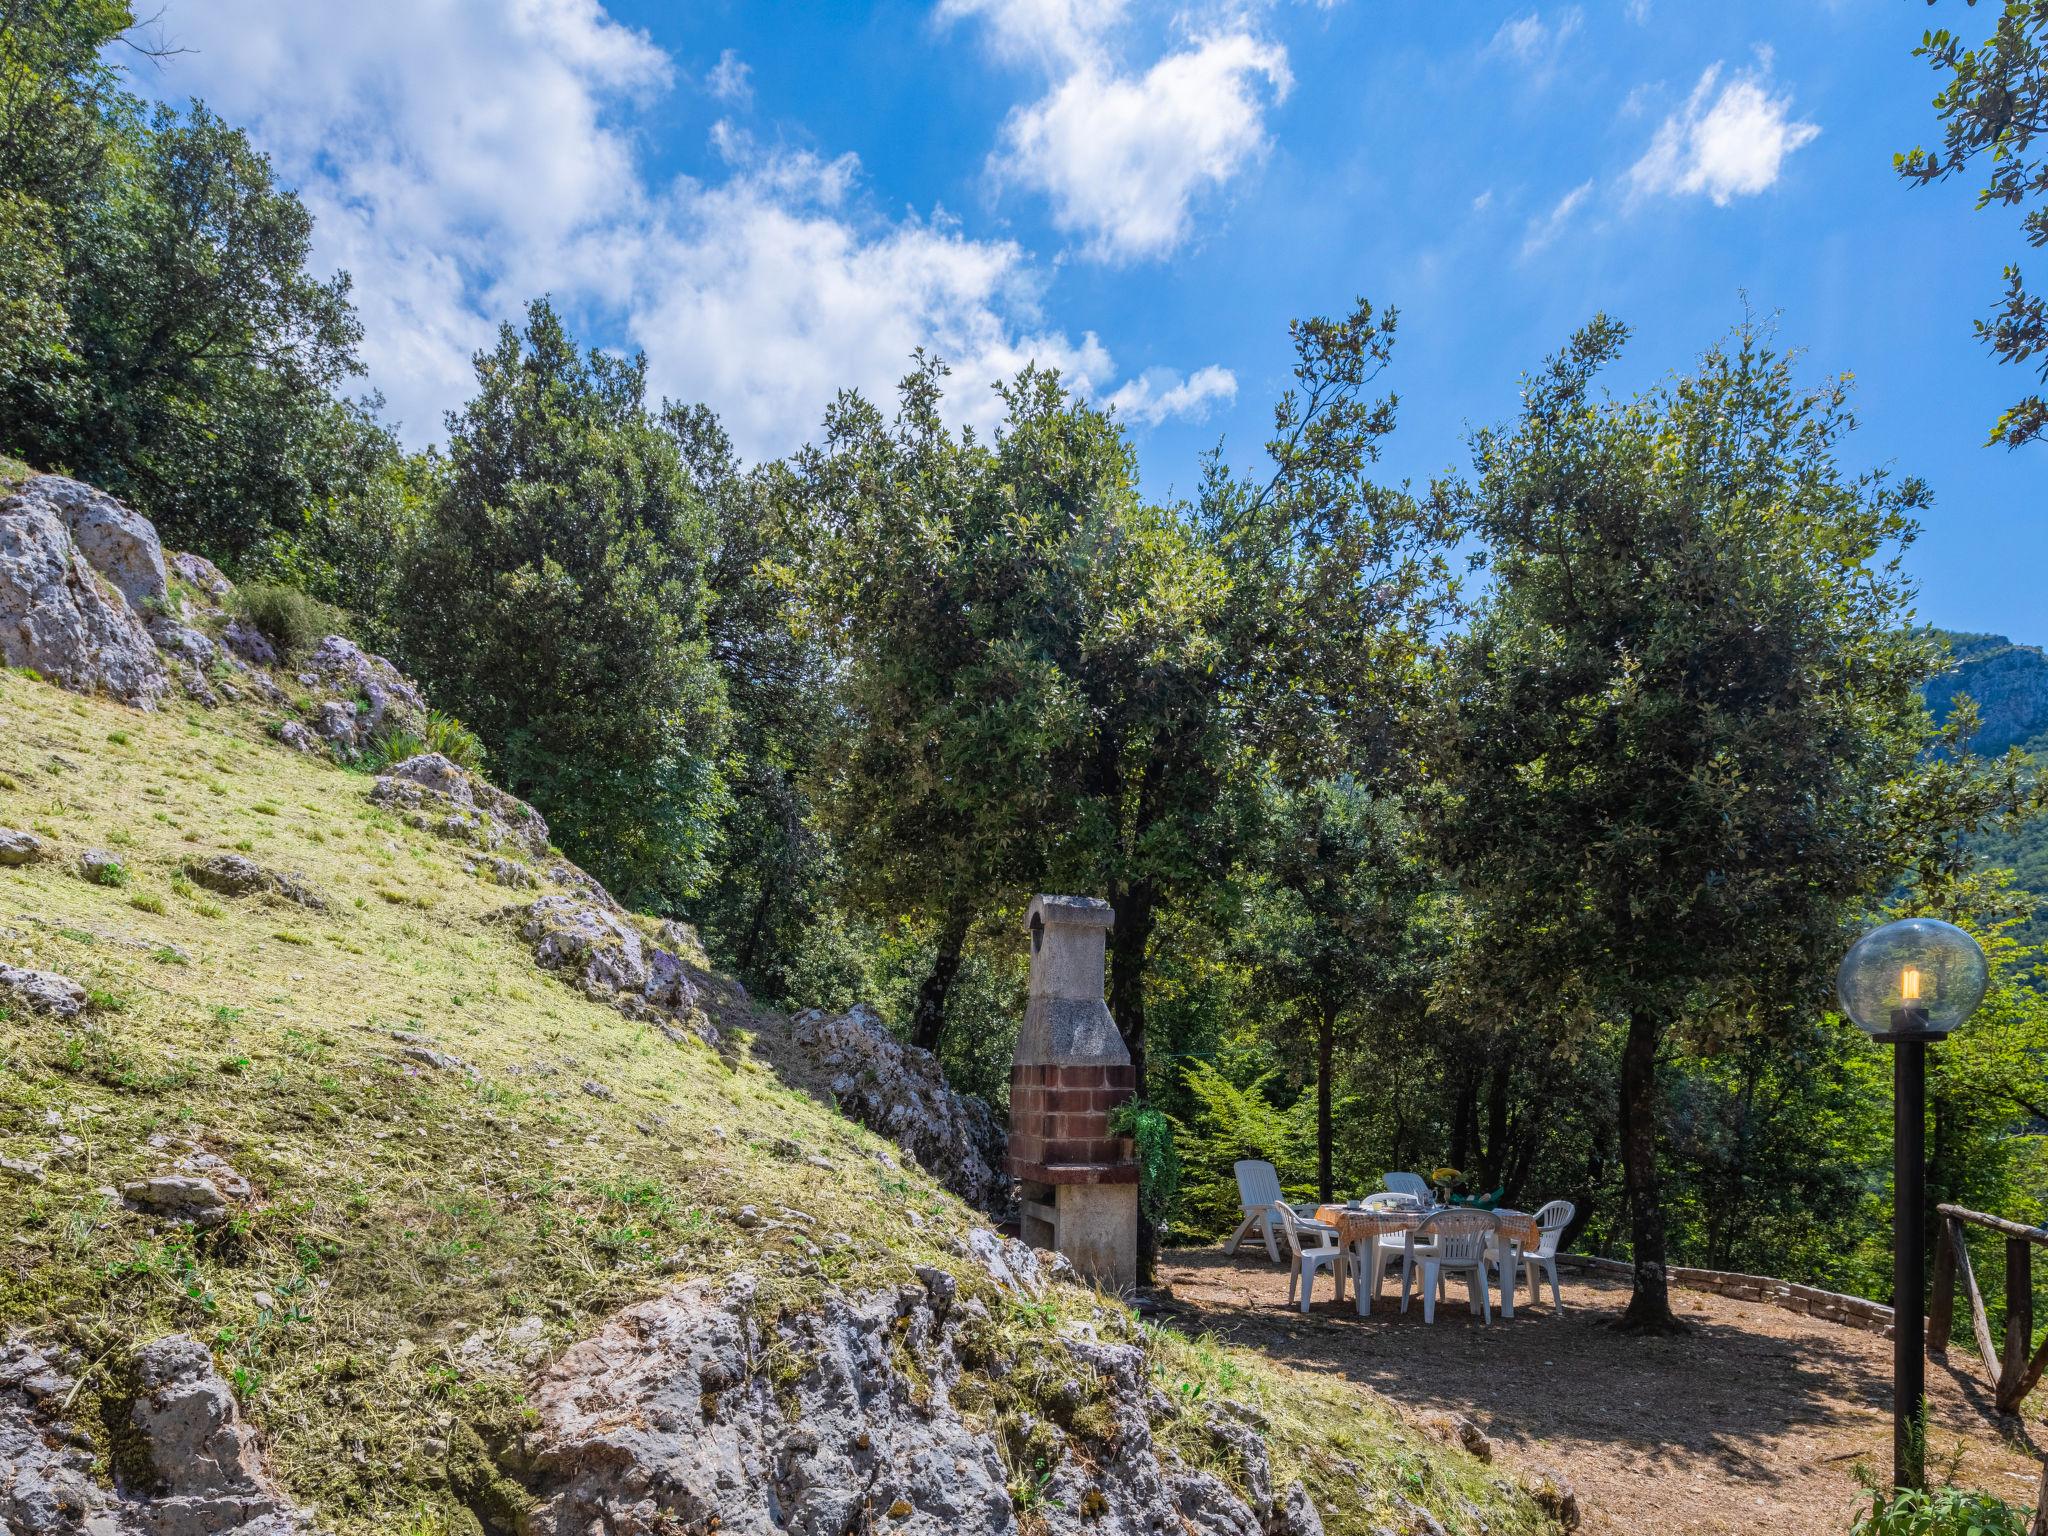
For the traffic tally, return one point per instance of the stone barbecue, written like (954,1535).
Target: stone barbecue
(1078,1184)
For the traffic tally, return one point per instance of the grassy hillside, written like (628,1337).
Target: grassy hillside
(418,1234)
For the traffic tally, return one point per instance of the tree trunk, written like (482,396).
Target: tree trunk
(1326,1050)
(1132,936)
(1649,1308)
(928,1018)
(1465,1114)
(1136,913)
(1495,1162)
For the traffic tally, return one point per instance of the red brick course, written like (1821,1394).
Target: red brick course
(1059,1119)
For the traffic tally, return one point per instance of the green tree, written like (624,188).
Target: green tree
(182,355)
(1676,727)
(554,599)
(1993,106)
(1328,927)
(963,584)
(769,909)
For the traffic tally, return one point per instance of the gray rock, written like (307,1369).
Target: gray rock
(61,616)
(597,1090)
(200,572)
(388,699)
(18,848)
(435,795)
(178,1197)
(297,737)
(181,642)
(336,723)
(118,543)
(230,874)
(201,1460)
(500,870)
(101,867)
(664,1420)
(899,1091)
(427,1056)
(249,643)
(1207,1507)
(21,1170)
(42,991)
(598,950)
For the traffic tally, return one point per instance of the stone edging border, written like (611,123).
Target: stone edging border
(1807,1300)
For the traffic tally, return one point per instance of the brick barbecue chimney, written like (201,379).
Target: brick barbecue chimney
(1078,1183)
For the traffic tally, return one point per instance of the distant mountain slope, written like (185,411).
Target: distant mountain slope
(2009,683)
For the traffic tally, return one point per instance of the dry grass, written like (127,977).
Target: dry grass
(404,1218)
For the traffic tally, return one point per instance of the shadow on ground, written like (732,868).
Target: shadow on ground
(1755,1419)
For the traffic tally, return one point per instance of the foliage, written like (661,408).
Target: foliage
(455,741)
(1330,925)
(1675,729)
(35,351)
(200,360)
(1158,1159)
(1946,1512)
(1993,105)
(769,908)
(1228,1123)
(287,617)
(554,598)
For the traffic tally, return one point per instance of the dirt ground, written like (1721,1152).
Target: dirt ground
(1758,1420)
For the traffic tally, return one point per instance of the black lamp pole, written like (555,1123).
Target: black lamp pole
(1908,1038)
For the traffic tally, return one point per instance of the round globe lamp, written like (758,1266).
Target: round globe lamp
(1906,984)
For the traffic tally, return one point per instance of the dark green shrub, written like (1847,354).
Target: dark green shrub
(288,618)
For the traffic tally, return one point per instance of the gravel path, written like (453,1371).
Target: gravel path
(1756,1421)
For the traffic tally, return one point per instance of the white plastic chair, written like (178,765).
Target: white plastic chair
(1386,1249)
(1542,1259)
(1448,1243)
(1314,1247)
(1258,1192)
(1406,1184)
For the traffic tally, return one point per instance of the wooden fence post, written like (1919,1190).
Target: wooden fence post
(2019,1318)
(1941,1305)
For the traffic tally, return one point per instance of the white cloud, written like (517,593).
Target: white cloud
(1533,43)
(1125,157)
(1727,144)
(1051,33)
(730,80)
(462,157)
(1159,393)
(1544,231)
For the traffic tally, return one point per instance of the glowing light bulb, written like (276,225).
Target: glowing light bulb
(1909,984)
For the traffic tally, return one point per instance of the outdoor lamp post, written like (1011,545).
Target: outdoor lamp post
(1905,984)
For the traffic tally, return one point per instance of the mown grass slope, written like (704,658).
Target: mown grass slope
(417,1234)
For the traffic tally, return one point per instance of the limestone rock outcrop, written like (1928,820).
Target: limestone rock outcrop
(119,543)
(598,948)
(41,991)
(66,616)
(430,792)
(230,874)
(667,1418)
(194,1472)
(899,1091)
(376,698)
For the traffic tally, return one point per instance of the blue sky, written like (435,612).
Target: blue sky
(778,200)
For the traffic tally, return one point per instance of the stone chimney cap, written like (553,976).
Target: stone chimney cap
(1071,911)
